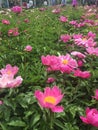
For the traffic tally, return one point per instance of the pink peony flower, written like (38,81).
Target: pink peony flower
(96,95)
(78,54)
(4,21)
(51,62)
(91,34)
(82,74)
(56,11)
(26,20)
(50,98)
(73,22)
(50,80)
(92,50)
(63,19)
(91,117)
(76,36)
(80,63)
(9,70)
(17,9)
(84,42)
(7,79)
(1,102)
(65,38)
(13,32)
(28,48)
(67,63)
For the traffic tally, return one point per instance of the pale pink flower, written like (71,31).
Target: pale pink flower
(82,74)
(9,70)
(50,98)
(96,95)
(78,54)
(65,38)
(50,80)
(4,21)
(7,81)
(28,48)
(16,9)
(56,11)
(92,50)
(67,63)
(91,117)
(73,22)
(1,102)
(63,19)
(84,42)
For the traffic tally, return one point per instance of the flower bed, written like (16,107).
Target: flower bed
(53,54)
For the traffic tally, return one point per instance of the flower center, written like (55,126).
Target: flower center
(65,62)
(84,39)
(8,72)
(50,99)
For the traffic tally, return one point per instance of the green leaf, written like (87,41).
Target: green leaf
(17,123)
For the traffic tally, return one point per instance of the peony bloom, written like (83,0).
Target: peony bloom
(82,74)
(85,42)
(51,62)
(91,117)
(1,102)
(65,38)
(16,9)
(92,50)
(63,19)
(7,79)
(50,98)
(4,21)
(56,11)
(73,22)
(26,20)
(50,80)
(67,63)
(91,34)
(80,63)
(9,70)
(13,32)
(96,95)
(78,54)
(76,36)
(28,48)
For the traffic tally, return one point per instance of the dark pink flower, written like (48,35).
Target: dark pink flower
(4,21)
(50,98)
(28,48)
(63,19)
(16,9)
(65,38)
(91,117)
(50,80)
(82,74)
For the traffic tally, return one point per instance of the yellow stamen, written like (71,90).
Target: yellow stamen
(65,62)
(8,72)
(50,99)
